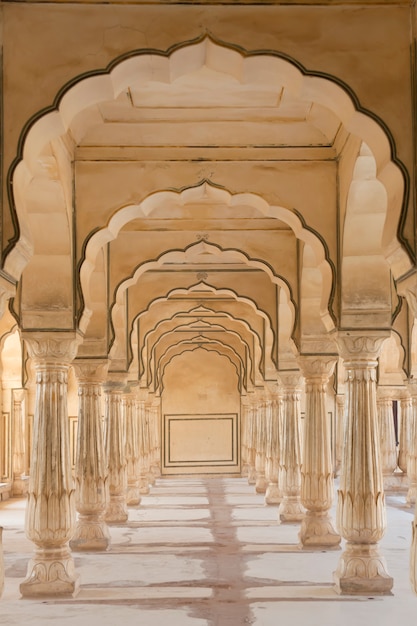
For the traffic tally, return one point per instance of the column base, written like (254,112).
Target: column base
(151,477)
(251,475)
(362,571)
(261,483)
(291,509)
(411,494)
(272,494)
(116,510)
(51,573)
(144,488)
(244,472)
(317,532)
(133,495)
(20,486)
(91,534)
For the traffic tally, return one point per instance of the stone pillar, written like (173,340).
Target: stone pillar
(91,532)
(388,449)
(261,482)
(290,509)
(155,438)
(251,429)
(340,425)
(244,437)
(404,435)
(317,485)
(1,563)
(150,441)
(20,484)
(361,513)
(143,449)
(115,451)
(273,419)
(132,449)
(412,449)
(50,511)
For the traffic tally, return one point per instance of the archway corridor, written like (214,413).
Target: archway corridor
(206,551)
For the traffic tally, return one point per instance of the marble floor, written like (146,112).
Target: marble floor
(207,552)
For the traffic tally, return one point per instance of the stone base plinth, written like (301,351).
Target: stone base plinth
(317,532)
(20,486)
(251,476)
(261,483)
(273,495)
(51,573)
(90,535)
(362,571)
(133,495)
(116,510)
(291,510)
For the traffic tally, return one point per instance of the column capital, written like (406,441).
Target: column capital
(90,370)
(52,347)
(317,366)
(386,393)
(355,345)
(291,379)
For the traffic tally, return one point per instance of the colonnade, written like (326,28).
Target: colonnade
(119,458)
(115,463)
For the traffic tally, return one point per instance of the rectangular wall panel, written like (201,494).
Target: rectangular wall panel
(201,443)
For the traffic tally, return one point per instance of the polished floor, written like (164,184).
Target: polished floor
(207,552)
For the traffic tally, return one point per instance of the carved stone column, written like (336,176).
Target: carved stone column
(115,451)
(404,436)
(1,563)
(20,485)
(91,532)
(412,449)
(143,449)
(361,503)
(50,511)
(290,509)
(251,442)
(261,482)
(273,417)
(317,468)
(244,437)
(340,425)
(150,441)
(388,448)
(155,438)
(132,449)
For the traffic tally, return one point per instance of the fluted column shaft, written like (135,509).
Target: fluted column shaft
(50,511)
(361,503)
(150,442)
(252,428)
(156,447)
(273,425)
(91,532)
(19,443)
(244,438)
(261,482)
(340,425)
(132,449)
(412,449)
(386,432)
(404,436)
(143,449)
(317,485)
(116,459)
(290,509)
